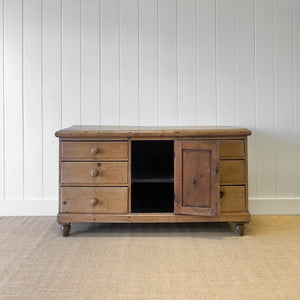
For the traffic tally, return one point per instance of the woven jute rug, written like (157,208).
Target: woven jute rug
(149,261)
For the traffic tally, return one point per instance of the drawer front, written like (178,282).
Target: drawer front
(102,200)
(232,198)
(232,148)
(232,172)
(95,150)
(94,173)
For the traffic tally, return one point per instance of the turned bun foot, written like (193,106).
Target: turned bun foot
(239,229)
(65,229)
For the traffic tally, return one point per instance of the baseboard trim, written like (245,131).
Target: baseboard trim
(257,206)
(274,206)
(28,208)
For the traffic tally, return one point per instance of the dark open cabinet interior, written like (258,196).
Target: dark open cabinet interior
(153,169)
(152,176)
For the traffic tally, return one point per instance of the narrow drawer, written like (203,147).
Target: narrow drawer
(103,200)
(95,150)
(232,148)
(94,173)
(232,171)
(232,198)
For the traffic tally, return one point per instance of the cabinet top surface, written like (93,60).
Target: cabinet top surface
(89,131)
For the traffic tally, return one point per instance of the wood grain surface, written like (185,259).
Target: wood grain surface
(95,150)
(232,172)
(196,178)
(210,174)
(94,172)
(232,198)
(94,200)
(140,131)
(151,218)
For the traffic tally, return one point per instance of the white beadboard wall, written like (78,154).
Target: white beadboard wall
(148,62)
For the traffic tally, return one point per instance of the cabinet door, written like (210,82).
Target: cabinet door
(197,189)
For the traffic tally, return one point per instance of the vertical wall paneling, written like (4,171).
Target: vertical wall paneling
(245,79)
(51,94)
(284,89)
(32,100)
(129,72)
(90,60)
(71,65)
(187,62)
(2,164)
(245,86)
(206,28)
(110,62)
(141,62)
(226,62)
(13,101)
(148,62)
(167,62)
(296,28)
(265,98)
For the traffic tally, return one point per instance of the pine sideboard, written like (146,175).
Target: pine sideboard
(118,174)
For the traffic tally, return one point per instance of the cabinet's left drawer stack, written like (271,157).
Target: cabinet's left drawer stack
(93,177)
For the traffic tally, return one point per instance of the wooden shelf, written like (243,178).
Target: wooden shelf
(153,180)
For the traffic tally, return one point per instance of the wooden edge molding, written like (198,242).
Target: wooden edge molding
(142,131)
(65,218)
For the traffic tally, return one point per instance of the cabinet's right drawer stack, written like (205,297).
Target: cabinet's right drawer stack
(233,176)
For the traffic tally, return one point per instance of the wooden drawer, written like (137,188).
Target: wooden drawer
(95,150)
(94,173)
(232,171)
(232,148)
(232,199)
(103,200)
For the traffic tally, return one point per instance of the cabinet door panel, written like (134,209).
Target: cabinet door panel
(197,178)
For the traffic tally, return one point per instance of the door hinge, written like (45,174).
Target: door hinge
(216,170)
(174,154)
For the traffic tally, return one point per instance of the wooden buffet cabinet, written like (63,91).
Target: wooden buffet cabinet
(153,174)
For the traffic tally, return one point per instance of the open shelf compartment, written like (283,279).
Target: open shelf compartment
(152,176)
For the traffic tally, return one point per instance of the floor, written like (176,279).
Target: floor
(150,261)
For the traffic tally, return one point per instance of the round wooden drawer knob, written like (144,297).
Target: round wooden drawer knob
(95,150)
(94,173)
(94,202)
